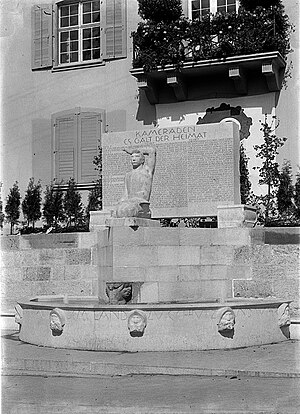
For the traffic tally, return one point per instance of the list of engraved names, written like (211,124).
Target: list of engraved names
(195,165)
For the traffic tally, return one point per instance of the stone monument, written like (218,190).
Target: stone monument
(165,289)
(197,170)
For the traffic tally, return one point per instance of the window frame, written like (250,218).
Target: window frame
(213,7)
(45,42)
(78,113)
(79,27)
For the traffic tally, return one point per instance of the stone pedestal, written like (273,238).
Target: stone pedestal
(239,215)
(98,218)
(174,264)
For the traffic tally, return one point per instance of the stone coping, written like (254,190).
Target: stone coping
(88,304)
(131,222)
(240,206)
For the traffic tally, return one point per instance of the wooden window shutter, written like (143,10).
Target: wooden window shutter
(89,142)
(42,32)
(115,31)
(66,133)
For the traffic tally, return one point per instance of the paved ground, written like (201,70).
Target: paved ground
(150,394)
(39,380)
(276,360)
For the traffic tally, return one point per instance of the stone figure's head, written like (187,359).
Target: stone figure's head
(137,322)
(137,159)
(57,321)
(284,317)
(118,292)
(226,321)
(18,315)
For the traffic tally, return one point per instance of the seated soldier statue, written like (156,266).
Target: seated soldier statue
(138,184)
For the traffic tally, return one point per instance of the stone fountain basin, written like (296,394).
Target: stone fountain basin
(90,325)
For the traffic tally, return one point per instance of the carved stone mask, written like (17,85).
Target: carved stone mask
(57,321)
(226,320)
(137,322)
(284,317)
(118,293)
(18,314)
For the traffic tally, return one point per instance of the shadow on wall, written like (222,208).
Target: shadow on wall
(177,111)
(146,112)
(41,149)
(286,331)
(116,120)
(226,111)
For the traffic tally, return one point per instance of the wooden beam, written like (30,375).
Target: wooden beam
(237,75)
(271,72)
(178,86)
(144,83)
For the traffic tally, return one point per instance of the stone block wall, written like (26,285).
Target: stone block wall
(54,264)
(274,272)
(202,264)
(175,264)
(172,264)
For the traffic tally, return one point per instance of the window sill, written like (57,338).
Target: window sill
(62,68)
(86,186)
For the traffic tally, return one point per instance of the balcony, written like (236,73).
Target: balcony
(229,77)
(225,55)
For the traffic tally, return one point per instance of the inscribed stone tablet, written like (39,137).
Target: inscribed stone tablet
(197,168)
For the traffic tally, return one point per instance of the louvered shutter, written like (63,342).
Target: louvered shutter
(89,141)
(42,36)
(66,136)
(115,32)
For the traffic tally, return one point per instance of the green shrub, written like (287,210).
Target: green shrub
(269,174)
(2,216)
(285,191)
(297,196)
(160,10)
(214,36)
(73,207)
(12,208)
(53,210)
(31,204)
(245,184)
(252,4)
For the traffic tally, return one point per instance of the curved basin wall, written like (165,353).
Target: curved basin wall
(160,328)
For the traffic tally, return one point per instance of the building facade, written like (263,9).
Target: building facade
(67,78)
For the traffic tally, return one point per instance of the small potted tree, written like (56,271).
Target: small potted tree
(12,208)
(31,204)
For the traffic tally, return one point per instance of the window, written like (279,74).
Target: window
(76,140)
(200,8)
(226,6)
(79,32)
(74,33)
